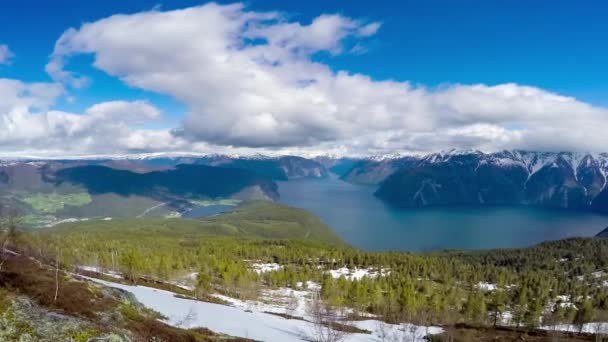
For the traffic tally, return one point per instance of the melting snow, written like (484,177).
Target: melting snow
(251,322)
(486,286)
(591,328)
(99,270)
(265,267)
(358,273)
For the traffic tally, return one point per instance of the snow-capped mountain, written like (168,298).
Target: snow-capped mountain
(565,179)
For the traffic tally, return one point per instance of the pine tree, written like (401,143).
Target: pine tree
(532,315)
(475,307)
(521,303)
(131,263)
(497,305)
(583,315)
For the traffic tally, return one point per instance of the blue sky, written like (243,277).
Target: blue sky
(557,46)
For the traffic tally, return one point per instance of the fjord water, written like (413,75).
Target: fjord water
(364,221)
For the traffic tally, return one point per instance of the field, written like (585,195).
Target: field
(50,203)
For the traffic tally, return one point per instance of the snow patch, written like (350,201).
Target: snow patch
(99,270)
(252,323)
(590,328)
(358,273)
(265,267)
(486,286)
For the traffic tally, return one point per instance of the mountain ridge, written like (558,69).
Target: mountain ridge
(563,179)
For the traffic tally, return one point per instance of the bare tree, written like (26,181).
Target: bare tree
(325,321)
(56,275)
(411,330)
(188,319)
(292,303)
(387,333)
(9,226)
(383,331)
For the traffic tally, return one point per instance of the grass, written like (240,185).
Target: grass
(49,203)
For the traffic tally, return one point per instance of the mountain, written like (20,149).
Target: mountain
(374,171)
(188,181)
(565,180)
(47,193)
(338,165)
(603,234)
(277,168)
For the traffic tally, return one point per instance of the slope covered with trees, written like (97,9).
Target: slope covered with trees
(554,282)
(255,219)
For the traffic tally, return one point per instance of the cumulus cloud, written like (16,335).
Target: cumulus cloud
(250,79)
(5,54)
(28,125)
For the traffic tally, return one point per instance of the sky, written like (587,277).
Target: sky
(315,77)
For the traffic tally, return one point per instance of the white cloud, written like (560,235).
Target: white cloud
(250,79)
(5,54)
(27,124)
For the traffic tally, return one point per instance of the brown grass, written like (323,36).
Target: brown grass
(27,277)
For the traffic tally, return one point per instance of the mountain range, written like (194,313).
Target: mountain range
(166,185)
(564,180)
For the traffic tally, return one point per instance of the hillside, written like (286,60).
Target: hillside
(39,302)
(510,292)
(255,219)
(184,181)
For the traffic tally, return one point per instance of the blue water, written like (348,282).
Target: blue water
(366,222)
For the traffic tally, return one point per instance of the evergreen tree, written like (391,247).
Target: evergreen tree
(497,305)
(583,315)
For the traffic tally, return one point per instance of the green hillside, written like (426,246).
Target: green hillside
(256,219)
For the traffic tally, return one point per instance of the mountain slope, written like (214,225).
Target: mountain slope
(255,219)
(194,181)
(373,171)
(565,180)
(603,233)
